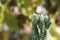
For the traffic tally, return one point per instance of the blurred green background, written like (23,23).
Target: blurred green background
(27,7)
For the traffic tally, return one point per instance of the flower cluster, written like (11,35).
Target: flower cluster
(41,9)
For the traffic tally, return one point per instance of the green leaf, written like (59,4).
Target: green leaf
(0,9)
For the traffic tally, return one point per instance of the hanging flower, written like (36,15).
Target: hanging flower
(5,27)
(15,10)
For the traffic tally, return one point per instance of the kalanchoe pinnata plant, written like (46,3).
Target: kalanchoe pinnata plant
(40,24)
